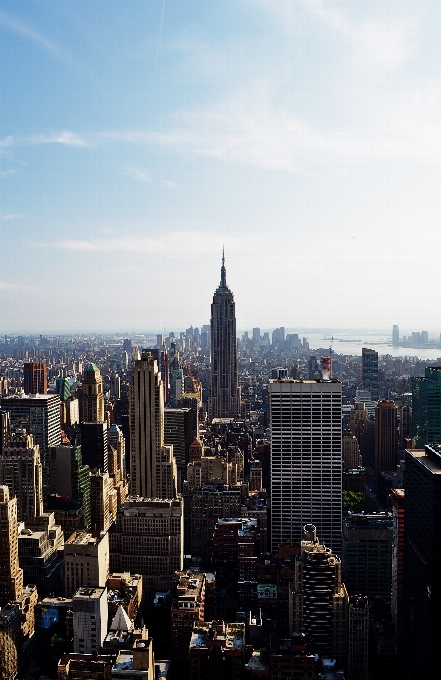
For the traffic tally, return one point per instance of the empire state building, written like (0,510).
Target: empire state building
(224,399)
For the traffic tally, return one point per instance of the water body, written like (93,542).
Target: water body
(352,343)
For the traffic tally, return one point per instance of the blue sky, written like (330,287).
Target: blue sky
(139,137)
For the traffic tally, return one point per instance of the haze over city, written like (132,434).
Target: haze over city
(138,138)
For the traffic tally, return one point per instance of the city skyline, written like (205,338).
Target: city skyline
(137,138)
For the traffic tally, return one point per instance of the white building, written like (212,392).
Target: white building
(306,460)
(90,614)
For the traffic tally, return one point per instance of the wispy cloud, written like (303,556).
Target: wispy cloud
(6,173)
(376,42)
(53,48)
(7,285)
(185,242)
(65,137)
(11,217)
(138,174)
(7,141)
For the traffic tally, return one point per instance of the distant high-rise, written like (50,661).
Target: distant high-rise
(20,470)
(306,459)
(93,397)
(395,336)
(426,407)
(35,378)
(62,388)
(369,366)
(152,467)
(224,399)
(386,436)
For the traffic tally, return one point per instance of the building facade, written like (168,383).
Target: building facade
(426,407)
(21,471)
(35,377)
(369,367)
(386,437)
(152,467)
(306,460)
(93,397)
(421,562)
(147,539)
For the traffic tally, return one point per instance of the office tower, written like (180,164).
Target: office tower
(187,608)
(115,386)
(386,437)
(40,416)
(178,433)
(424,338)
(421,562)
(369,367)
(313,367)
(397,500)
(306,460)
(5,428)
(426,407)
(203,507)
(93,397)
(395,336)
(147,539)
(152,467)
(40,555)
(94,445)
(405,427)
(11,576)
(235,547)
(193,402)
(351,452)
(103,501)
(89,619)
(318,597)
(127,346)
(62,388)
(70,479)
(256,336)
(224,399)
(20,471)
(72,411)
(358,633)
(86,561)
(117,463)
(278,337)
(367,554)
(35,377)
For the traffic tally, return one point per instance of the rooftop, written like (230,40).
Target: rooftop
(88,593)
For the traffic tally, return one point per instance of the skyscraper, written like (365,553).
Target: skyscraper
(426,407)
(35,377)
(395,336)
(306,459)
(224,399)
(421,563)
(11,576)
(386,436)
(93,397)
(369,367)
(40,416)
(20,471)
(152,467)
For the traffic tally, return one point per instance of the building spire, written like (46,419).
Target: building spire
(223,281)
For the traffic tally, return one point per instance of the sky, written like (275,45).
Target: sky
(138,138)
